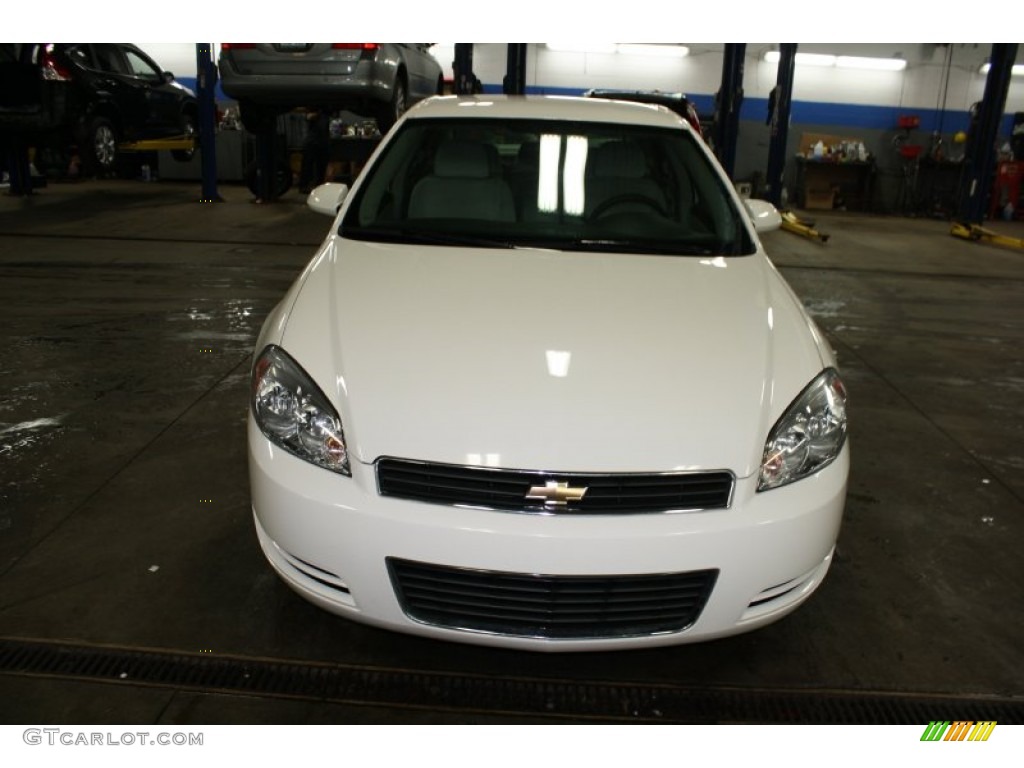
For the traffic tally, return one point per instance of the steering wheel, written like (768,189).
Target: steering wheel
(626,199)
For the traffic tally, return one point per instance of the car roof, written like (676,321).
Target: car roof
(545,108)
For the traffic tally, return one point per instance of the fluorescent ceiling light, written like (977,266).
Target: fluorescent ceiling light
(547,185)
(653,49)
(583,47)
(1018,69)
(483,459)
(558,362)
(631,49)
(573,195)
(810,59)
(865,62)
(843,62)
(816,59)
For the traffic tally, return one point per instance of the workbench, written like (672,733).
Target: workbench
(853,181)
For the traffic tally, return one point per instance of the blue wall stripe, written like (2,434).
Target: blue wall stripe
(755,109)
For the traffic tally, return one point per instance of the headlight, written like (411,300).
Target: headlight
(808,436)
(294,414)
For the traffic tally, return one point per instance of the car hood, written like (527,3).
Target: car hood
(532,359)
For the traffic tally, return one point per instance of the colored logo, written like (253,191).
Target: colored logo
(555,494)
(959,730)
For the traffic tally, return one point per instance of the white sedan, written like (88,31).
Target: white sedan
(541,388)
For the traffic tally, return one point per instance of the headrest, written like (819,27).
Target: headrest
(462,159)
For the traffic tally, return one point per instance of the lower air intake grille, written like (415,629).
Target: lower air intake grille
(556,607)
(508,489)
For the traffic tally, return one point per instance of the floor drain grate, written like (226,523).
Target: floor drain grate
(495,695)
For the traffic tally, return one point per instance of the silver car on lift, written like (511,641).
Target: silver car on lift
(380,80)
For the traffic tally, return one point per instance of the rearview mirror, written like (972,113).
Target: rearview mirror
(327,198)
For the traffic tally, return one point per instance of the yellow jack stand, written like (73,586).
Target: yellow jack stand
(184,143)
(798,226)
(978,233)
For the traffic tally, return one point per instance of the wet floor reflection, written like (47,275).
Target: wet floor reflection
(99,360)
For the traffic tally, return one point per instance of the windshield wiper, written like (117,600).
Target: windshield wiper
(400,235)
(603,245)
(629,246)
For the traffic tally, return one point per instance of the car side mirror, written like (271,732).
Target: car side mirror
(168,77)
(765,216)
(327,198)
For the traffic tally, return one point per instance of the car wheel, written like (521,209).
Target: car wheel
(394,109)
(190,128)
(282,178)
(257,119)
(99,149)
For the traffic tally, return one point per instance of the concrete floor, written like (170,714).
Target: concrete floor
(128,315)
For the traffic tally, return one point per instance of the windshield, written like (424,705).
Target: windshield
(547,184)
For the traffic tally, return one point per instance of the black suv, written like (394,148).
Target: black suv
(93,95)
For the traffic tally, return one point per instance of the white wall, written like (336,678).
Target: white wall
(179,58)
(916,87)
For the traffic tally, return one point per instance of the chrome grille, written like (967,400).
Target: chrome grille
(507,489)
(556,607)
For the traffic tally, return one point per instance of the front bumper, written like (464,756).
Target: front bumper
(329,537)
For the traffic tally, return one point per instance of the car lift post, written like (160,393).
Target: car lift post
(727,106)
(464,80)
(980,154)
(779,105)
(206,82)
(265,166)
(514,83)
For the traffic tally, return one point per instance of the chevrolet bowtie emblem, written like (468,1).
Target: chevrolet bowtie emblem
(555,494)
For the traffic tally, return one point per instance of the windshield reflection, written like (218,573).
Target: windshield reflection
(548,184)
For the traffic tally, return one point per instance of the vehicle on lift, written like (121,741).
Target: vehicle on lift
(541,388)
(93,96)
(677,102)
(379,80)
